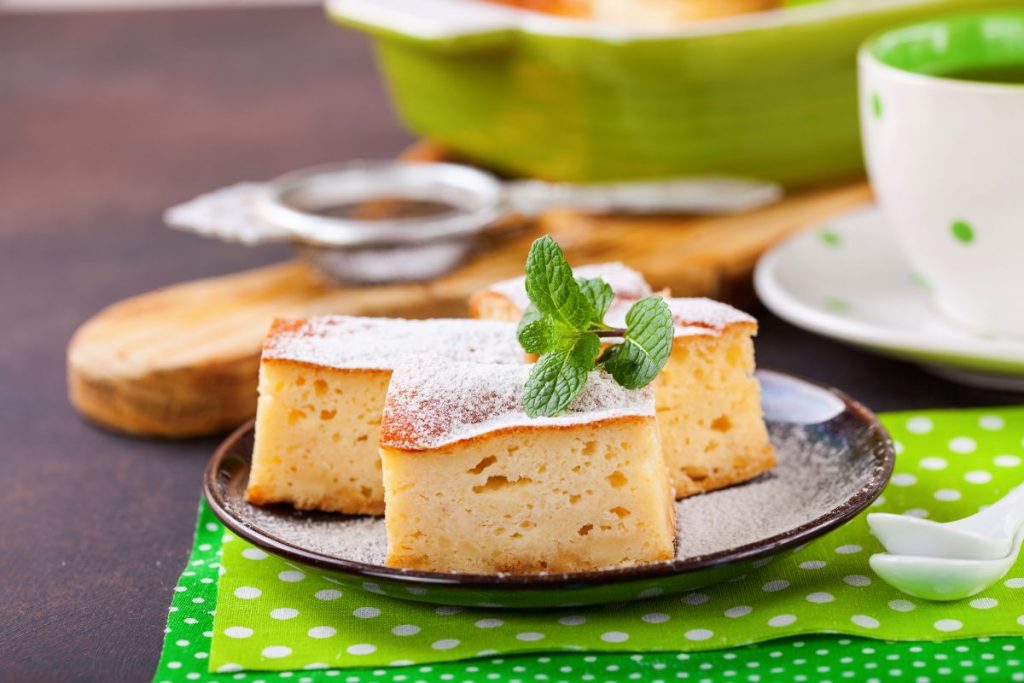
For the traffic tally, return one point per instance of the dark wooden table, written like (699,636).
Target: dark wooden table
(104,121)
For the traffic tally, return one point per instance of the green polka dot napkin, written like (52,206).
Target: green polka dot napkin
(274,616)
(816,659)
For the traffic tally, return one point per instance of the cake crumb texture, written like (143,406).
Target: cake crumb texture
(709,412)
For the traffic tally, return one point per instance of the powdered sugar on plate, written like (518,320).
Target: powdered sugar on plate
(815,474)
(354,538)
(812,476)
(430,405)
(349,342)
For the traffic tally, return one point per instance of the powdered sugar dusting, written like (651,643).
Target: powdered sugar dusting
(353,538)
(701,312)
(691,316)
(624,281)
(812,477)
(815,474)
(434,404)
(383,343)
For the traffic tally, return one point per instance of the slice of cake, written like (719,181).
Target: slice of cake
(474,485)
(506,300)
(708,401)
(321,391)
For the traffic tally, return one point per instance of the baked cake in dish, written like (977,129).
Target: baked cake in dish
(708,401)
(475,485)
(659,13)
(321,391)
(506,300)
(645,12)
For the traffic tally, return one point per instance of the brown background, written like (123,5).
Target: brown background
(104,121)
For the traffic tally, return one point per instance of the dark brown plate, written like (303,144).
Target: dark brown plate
(834,460)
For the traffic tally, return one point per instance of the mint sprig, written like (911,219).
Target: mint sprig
(536,333)
(599,293)
(646,345)
(564,324)
(552,288)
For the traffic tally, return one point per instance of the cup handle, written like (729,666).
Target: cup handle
(454,25)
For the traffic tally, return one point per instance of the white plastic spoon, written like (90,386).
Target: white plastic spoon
(986,535)
(938,578)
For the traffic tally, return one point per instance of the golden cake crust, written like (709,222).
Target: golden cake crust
(397,431)
(436,405)
(359,343)
(488,304)
(310,365)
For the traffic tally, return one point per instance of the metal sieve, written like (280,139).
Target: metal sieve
(389,221)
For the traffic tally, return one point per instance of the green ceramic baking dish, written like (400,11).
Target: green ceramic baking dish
(770,95)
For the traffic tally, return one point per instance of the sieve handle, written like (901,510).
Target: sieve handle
(697,195)
(230,214)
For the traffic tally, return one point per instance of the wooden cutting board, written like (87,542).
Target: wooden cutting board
(182,361)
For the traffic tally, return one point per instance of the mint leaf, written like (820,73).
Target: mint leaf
(536,333)
(562,324)
(599,293)
(552,288)
(559,376)
(646,346)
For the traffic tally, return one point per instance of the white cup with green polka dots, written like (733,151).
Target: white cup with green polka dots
(942,117)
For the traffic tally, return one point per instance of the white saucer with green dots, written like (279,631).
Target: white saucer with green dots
(848,280)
